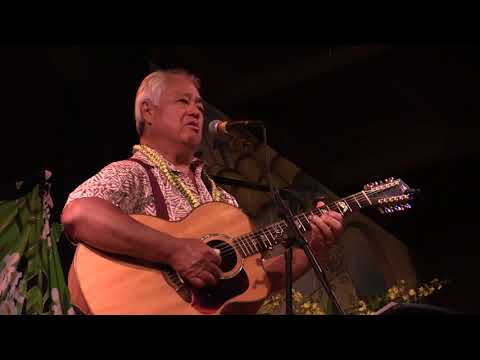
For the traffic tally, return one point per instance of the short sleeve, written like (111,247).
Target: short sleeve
(121,183)
(227,197)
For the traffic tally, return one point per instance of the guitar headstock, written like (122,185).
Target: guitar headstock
(390,195)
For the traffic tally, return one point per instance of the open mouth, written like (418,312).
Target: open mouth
(193,126)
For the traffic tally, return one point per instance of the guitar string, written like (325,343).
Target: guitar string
(250,241)
(315,211)
(245,240)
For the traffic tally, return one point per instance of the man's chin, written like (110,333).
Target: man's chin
(192,142)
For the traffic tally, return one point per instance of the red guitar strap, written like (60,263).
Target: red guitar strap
(160,206)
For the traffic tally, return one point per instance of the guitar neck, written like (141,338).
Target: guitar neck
(268,237)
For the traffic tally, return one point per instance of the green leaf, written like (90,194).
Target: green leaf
(46,297)
(34,301)
(32,250)
(56,231)
(34,265)
(45,251)
(8,213)
(9,240)
(24,214)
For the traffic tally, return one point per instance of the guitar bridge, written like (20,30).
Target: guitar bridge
(175,281)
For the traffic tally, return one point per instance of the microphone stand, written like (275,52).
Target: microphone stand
(296,236)
(294,231)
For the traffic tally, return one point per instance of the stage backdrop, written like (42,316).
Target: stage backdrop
(366,261)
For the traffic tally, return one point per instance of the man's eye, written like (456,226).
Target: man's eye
(184,101)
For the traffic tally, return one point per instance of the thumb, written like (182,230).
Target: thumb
(216,251)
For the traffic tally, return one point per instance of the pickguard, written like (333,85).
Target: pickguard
(209,299)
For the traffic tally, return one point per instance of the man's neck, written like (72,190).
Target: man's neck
(179,155)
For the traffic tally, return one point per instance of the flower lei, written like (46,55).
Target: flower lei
(173,178)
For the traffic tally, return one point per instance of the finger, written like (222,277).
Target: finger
(214,270)
(320,204)
(197,282)
(337,216)
(315,233)
(208,278)
(324,229)
(334,224)
(216,258)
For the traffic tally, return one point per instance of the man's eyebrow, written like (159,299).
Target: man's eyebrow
(197,99)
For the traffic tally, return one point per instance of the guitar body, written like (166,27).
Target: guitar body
(111,285)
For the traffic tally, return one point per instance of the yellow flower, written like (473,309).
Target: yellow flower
(412,292)
(405,297)
(392,296)
(402,282)
(395,290)
(307,305)
(297,296)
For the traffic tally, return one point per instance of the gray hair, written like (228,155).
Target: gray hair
(151,89)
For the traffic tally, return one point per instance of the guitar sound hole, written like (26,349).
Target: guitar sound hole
(227,252)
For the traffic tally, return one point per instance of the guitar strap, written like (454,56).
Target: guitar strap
(160,206)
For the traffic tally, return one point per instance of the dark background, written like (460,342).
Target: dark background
(347,114)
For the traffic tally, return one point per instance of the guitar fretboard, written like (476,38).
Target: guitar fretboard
(268,237)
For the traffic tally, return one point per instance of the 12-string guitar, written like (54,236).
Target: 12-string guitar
(115,285)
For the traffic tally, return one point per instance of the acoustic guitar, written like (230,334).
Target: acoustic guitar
(116,285)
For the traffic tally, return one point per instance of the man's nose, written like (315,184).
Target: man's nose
(194,111)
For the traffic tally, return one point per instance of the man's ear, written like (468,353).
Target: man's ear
(147,112)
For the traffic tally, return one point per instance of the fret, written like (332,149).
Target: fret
(355,197)
(338,207)
(319,211)
(268,240)
(298,223)
(250,249)
(279,229)
(308,221)
(363,192)
(272,235)
(306,226)
(254,243)
(349,207)
(239,244)
(261,242)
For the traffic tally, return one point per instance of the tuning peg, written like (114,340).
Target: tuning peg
(408,206)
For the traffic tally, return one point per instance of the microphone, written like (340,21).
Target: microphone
(222,128)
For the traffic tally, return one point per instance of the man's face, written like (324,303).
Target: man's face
(178,117)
